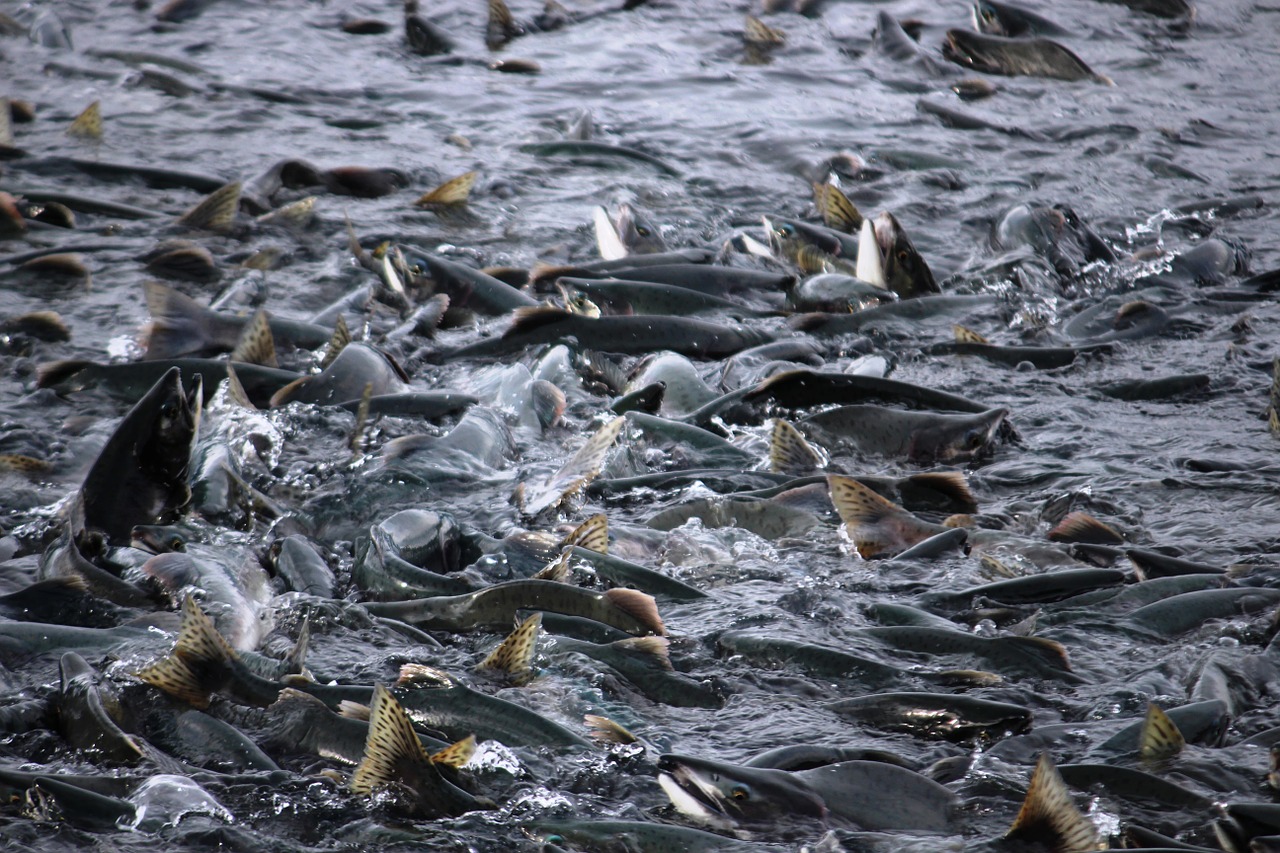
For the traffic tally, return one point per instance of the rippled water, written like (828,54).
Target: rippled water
(1178,152)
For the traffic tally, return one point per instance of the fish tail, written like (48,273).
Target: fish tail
(1049,811)
(789,453)
(392,743)
(199,663)
(514,656)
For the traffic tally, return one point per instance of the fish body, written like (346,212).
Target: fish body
(917,436)
(1032,57)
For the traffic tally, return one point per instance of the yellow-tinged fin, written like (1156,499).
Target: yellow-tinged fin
(21,464)
(216,212)
(341,337)
(952,486)
(501,27)
(756,32)
(53,373)
(1082,527)
(875,524)
(657,648)
(392,744)
(297,214)
(356,442)
(198,662)
(1049,815)
(421,675)
(451,192)
(557,570)
(639,606)
(965,335)
(580,470)
(514,656)
(87,125)
(235,390)
(60,265)
(256,344)
(789,453)
(353,710)
(1159,737)
(285,394)
(968,677)
(603,730)
(870,267)
(836,209)
(457,754)
(592,534)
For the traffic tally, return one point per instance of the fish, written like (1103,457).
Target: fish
(1034,57)
(496,606)
(905,271)
(423,37)
(1036,657)
(140,476)
(216,212)
(624,334)
(468,288)
(878,527)
(645,663)
(935,715)
(869,794)
(356,366)
(180,326)
(581,468)
(131,380)
(623,296)
(629,232)
(836,293)
(593,148)
(915,436)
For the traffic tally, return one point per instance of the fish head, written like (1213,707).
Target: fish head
(726,795)
(905,270)
(637,231)
(987,20)
(157,538)
(959,439)
(970,50)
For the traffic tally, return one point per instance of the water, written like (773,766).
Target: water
(1187,125)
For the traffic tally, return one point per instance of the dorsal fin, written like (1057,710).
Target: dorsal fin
(514,656)
(1050,651)
(23,464)
(1082,527)
(392,744)
(353,710)
(639,606)
(52,373)
(216,212)
(870,267)
(452,192)
(557,570)
(605,731)
(501,27)
(282,396)
(44,325)
(655,647)
(235,390)
(341,337)
(88,125)
(256,345)
(198,662)
(531,317)
(297,657)
(592,534)
(421,675)
(293,215)
(836,209)
(951,485)
(1049,815)
(1159,737)
(965,335)
(789,453)
(457,754)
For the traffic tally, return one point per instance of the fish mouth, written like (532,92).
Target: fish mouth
(954,50)
(691,794)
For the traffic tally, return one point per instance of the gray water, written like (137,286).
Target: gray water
(1177,152)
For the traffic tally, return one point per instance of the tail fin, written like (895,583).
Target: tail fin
(605,731)
(939,489)
(1049,814)
(392,743)
(877,525)
(217,212)
(1160,737)
(592,534)
(451,192)
(654,647)
(514,656)
(199,663)
(88,125)
(456,755)
(1082,527)
(965,335)
(789,453)
(837,210)
(256,344)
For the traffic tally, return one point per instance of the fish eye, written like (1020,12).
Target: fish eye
(902,255)
(642,231)
(176,544)
(975,438)
(740,793)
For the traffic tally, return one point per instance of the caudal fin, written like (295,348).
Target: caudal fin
(1049,815)
(199,663)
